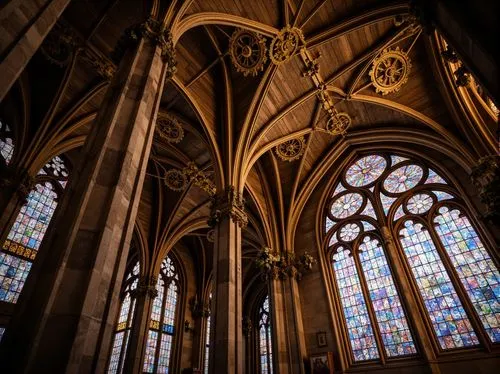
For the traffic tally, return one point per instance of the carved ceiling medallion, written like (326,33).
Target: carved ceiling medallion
(175,180)
(168,128)
(291,150)
(338,123)
(286,44)
(390,70)
(248,52)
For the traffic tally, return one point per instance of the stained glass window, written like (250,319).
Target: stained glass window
(391,318)
(403,178)
(163,320)
(359,326)
(2,330)
(207,338)
(25,237)
(455,277)
(124,324)
(6,143)
(346,205)
(265,339)
(473,264)
(450,321)
(365,170)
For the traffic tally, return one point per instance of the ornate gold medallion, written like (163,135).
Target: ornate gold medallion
(169,129)
(175,180)
(338,123)
(285,44)
(248,52)
(291,149)
(390,70)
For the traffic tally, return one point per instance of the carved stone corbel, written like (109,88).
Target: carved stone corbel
(146,286)
(486,177)
(155,31)
(231,204)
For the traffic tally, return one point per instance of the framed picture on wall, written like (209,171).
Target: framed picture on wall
(322,363)
(321,339)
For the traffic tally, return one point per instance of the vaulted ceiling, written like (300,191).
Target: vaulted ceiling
(233,122)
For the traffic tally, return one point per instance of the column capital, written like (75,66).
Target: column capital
(146,286)
(20,180)
(155,31)
(229,203)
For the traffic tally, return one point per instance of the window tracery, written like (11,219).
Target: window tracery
(207,337)
(124,324)
(28,230)
(457,280)
(6,142)
(265,338)
(163,320)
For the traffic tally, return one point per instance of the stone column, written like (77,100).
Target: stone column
(67,314)
(228,217)
(23,27)
(145,293)
(413,315)
(200,311)
(289,347)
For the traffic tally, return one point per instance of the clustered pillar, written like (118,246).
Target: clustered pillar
(67,312)
(228,217)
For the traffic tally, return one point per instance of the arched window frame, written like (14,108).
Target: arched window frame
(157,327)
(267,366)
(208,332)
(7,146)
(54,175)
(124,321)
(371,192)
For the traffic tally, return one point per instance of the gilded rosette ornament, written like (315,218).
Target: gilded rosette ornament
(286,44)
(168,128)
(291,150)
(390,71)
(175,180)
(248,52)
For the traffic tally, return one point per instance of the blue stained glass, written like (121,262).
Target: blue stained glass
(443,195)
(2,330)
(447,315)
(265,339)
(361,335)
(340,188)
(434,178)
(397,159)
(328,224)
(346,205)
(396,335)
(399,213)
(474,266)
(162,324)
(6,144)
(149,358)
(403,178)
(420,203)
(115,352)
(386,202)
(366,170)
(369,211)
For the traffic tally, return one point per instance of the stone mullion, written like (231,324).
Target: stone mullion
(22,30)
(134,356)
(287,327)
(408,297)
(228,217)
(68,323)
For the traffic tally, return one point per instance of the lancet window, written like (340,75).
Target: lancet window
(265,338)
(23,241)
(6,143)
(124,324)
(162,326)
(393,200)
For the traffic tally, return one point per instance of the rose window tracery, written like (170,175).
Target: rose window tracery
(349,232)
(366,170)
(346,205)
(419,204)
(403,178)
